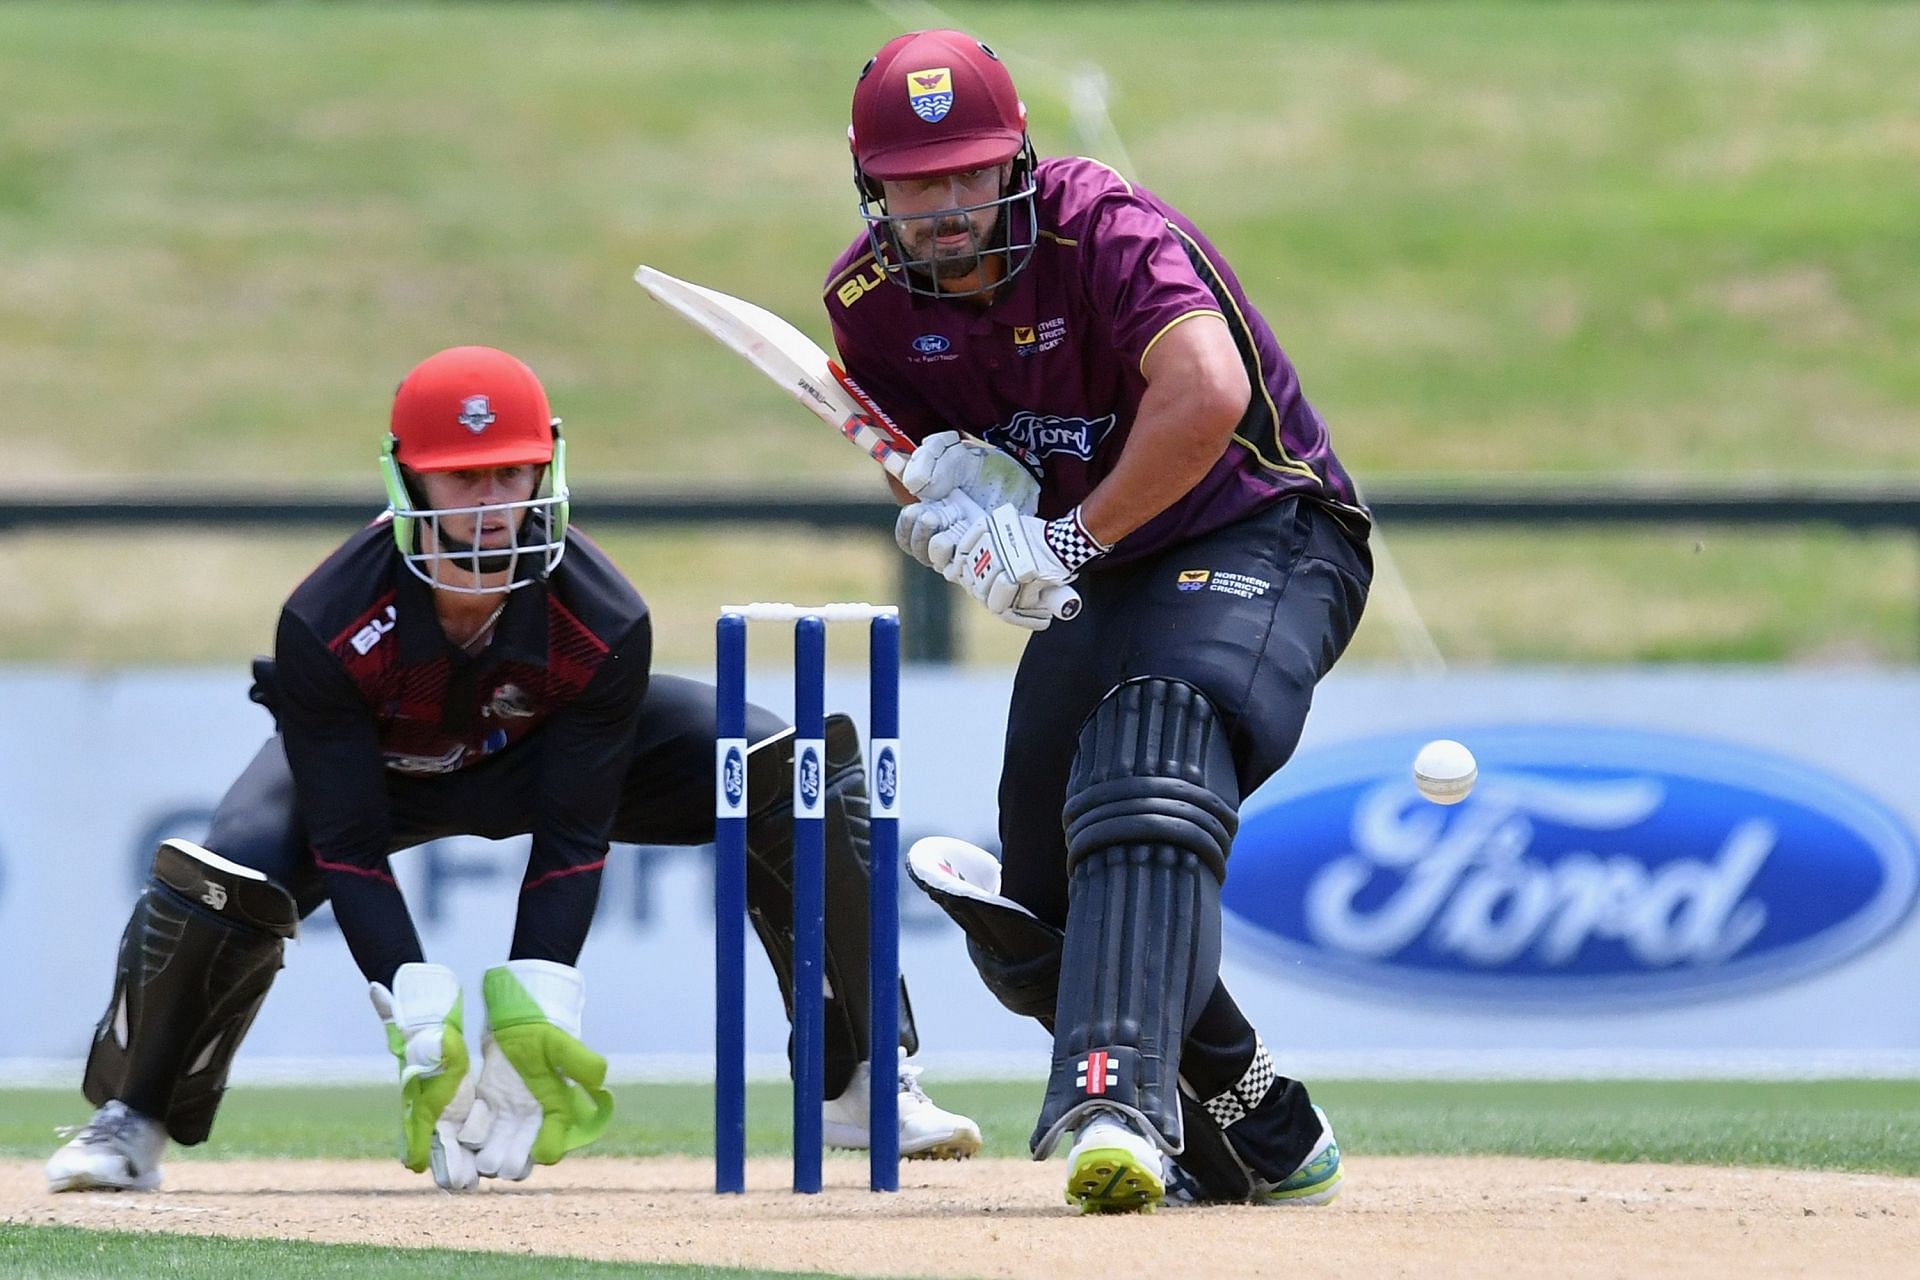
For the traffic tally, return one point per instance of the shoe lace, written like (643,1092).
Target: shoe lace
(109,1124)
(910,1083)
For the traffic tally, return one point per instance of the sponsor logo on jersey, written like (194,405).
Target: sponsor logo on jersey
(931,344)
(1591,868)
(858,285)
(369,635)
(1031,340)
(1192,579)
(476,414)
(1043,434)
(930,93)
(509,702)
(446,762)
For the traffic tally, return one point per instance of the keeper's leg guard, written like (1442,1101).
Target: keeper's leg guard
(770,892)
(196,960)
(1151,812)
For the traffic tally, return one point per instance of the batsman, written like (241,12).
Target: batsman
(1071,353)
(469,664)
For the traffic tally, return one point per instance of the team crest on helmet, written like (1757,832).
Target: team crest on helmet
(476,414)
(930,93)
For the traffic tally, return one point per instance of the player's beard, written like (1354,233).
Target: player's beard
(937,266)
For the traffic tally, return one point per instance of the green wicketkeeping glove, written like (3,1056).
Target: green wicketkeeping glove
(540,1093)
(422,1013)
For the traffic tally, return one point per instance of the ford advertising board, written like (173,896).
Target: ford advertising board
(1591,867)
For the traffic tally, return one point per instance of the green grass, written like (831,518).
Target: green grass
(1864,1126)
(71,1253)
(1600,239)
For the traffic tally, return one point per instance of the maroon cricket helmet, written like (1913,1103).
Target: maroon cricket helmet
(934,102)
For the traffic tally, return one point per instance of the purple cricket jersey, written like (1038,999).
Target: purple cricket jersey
(1052,368)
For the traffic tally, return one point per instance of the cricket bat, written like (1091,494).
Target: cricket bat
(793,361)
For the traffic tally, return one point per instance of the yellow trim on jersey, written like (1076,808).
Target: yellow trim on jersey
(1182,318)
(1287,462)
(851,267)
(1057,239)
(1110,169)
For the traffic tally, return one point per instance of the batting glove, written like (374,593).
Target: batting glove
(944,463)
(422,1013)
(541,1092)
(1009,561)
(930,531)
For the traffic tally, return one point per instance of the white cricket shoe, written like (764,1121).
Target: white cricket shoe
(1113,1168)
(118,1150)
(1317,1180)
(926,1131)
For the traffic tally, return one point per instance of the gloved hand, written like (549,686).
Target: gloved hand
(422,1013)
(944,463)
(1009,561)
(930,532)
(541,1092)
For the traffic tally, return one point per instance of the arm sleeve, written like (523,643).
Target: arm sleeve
(1141,277)
(333,750)
(587,750)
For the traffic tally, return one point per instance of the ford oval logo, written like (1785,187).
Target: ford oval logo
(930,344)
(1607,867)
(886,780)
(809,778)
(734,776)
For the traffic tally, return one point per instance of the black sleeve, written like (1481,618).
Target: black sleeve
(587,749)
(333,750)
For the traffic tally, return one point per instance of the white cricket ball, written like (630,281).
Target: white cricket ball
(1444,771)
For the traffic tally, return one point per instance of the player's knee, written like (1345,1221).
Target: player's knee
(1153,769)
(219,889)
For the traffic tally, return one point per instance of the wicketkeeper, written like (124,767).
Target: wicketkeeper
(468,664)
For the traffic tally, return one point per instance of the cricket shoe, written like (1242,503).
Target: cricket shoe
(118,1150)
(926,1131)
(1316,1181)
(1113,1168)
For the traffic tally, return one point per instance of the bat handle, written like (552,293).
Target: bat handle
(1062,601)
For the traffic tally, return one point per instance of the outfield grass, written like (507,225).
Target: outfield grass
(1595,239)
(1708,595)
(1864,1126)
(71,1253)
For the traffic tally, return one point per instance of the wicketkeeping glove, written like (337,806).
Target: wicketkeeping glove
(945,463)
(422,1013)
(541,1092)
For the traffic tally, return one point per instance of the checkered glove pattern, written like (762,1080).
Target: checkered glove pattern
(1067,538)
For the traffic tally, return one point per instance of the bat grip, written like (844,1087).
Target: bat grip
(1062,601)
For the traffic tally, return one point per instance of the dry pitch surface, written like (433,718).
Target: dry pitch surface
(1398,1217)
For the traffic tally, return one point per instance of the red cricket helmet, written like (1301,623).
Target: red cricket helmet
(471,407)
(933,102)
(474,408)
